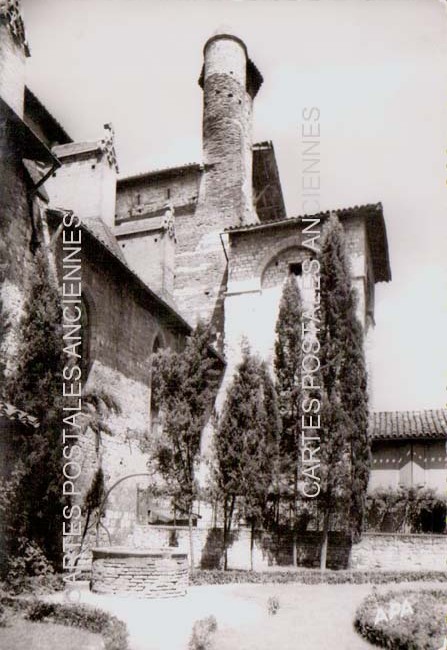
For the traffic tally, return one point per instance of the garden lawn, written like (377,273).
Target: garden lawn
(24,635)
(309,617)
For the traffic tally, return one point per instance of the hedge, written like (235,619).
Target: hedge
(415,622)
(312,577)
(112,630)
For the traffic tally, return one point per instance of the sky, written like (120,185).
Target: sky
(376,69)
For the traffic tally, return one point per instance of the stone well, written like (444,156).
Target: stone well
(157,573)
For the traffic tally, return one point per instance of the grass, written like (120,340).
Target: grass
(24,635)
(308,616)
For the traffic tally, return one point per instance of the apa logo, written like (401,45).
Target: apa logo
(395,609)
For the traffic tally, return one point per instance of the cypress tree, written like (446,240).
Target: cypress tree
(185,385)
(287,365)
(35,386)
(247,444)
(344,438)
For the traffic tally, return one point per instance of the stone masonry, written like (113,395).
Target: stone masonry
(400,552)
(147,574)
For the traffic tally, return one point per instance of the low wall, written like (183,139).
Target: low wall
(144,573)
(269,550)
(400,552)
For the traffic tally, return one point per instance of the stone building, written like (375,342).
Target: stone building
(161,249)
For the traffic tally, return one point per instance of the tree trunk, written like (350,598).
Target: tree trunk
(228,516)
(324,542)
(225,527)
(252,543)
(191,544)
(295,516)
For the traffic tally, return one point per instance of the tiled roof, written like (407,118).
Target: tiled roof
(12,413)
(375,226)
(402,425)
(166,171)
(342,212)
(100,231)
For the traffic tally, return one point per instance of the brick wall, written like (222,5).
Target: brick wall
(123,324)
(400,552)
(142,197)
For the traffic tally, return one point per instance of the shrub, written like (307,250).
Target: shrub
(25,568)
(413,510)
(3,616)
(202,634)
(273,605)
(312,577)
(113,631)
(420,625)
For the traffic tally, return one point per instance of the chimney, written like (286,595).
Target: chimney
(86,181)
(13,52)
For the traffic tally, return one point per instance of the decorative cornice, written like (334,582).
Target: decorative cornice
(108,146)
(11,16)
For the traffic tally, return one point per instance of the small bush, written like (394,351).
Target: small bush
(29,567)
(412,510)
(3,616)
(113,631)
(273,605)
(404,620)
(202,634)
(311,577)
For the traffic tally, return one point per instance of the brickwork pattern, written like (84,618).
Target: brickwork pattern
(400,552)
(147,195)
(159,574)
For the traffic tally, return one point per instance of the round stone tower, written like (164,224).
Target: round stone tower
(230,81)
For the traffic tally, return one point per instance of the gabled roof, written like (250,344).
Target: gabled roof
(409,425)
(102,233)
(11,412)
(375,228)
(157,173)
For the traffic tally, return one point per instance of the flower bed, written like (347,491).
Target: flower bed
(112,630)
(404,620)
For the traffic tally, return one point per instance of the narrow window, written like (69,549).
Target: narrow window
(296,268)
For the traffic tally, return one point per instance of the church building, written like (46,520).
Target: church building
(164,248)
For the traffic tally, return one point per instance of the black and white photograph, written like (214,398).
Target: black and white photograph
(223,317)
